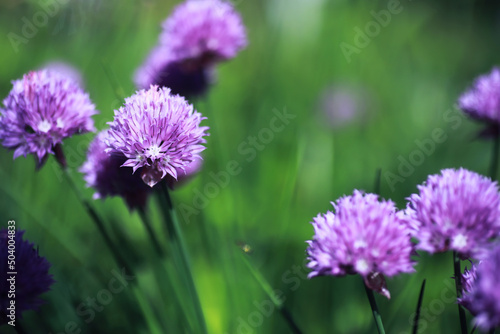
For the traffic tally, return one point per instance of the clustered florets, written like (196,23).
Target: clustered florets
(456,210)
(198,35)
(41,110)
(364,236)
(482,100)
(158,133)
(482,291)
(32,276)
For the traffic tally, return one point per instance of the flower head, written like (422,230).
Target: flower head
(342,105)
(467,279)
(482,101)
(40,111)
(482,298)
(32,278)
(161,69)
(456,210)
(158,133)
(364,236)
(204,31)
(102,172)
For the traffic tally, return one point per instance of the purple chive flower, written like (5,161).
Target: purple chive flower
(32,278)
(162,70)
(102,171)
(40,111)
(158,133)
(482,101)
(203,32)
(456,210)
(483,297)
(468,278)
(364,236)
(342,105)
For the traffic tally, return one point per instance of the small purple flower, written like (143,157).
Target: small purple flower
(467,279)
(364,236)
(40,111)
(158,133)
(204,31)
(456,210)
(102,171)
(482,101)
(32,278)
(162,70)
(483,297)
(343,104)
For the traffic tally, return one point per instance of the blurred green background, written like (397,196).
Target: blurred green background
(352,115)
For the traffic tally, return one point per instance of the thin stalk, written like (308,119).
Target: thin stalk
(117,89)
(97,220)
(369,292)
(179,252)
(458,285)
(376,313)
(149,228)
(289,319)
(494,156)
(419,306)
(270,293)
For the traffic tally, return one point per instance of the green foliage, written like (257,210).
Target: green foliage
(413,71)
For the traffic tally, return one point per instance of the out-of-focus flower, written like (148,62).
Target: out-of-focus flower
(456,210)
(32,276)
(162,70)
(102,171)
(364,236)
(198,34)
(158,133)
(482,298)
(342,105)
(482,100)
(40,111)
(204,32)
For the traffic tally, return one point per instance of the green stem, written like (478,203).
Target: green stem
(149,228)
(494,156)
(270,293)
(179,252)
(376,313)
(419,306)
(289,319)
(97,220)
(117,89)
(458,285)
